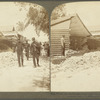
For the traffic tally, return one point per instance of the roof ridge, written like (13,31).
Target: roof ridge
(60,20)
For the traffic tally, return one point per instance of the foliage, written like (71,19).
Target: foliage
(39,18)
(36,15)
(20,26)
(58,12)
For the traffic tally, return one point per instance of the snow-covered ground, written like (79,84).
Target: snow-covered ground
(22,79)
(77,73)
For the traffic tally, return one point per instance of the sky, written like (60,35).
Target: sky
(10,14)
(89,12)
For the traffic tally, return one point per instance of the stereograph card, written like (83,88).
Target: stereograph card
(49,49)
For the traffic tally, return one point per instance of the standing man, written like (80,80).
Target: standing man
(19,46)
(63,45)
(48,50)
(27,48)
(35,51)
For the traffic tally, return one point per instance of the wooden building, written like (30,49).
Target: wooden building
(73,29)
(59,27)
(8,32)
(78,34)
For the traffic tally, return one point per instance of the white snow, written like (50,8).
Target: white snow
(77,73)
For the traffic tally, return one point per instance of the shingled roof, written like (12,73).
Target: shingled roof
(78,23)
(60,20)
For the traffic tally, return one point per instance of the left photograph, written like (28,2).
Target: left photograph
(24,47)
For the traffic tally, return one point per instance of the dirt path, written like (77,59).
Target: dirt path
(27,78)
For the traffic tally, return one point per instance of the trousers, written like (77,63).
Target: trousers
(35,58)
(20,58)
(63,50)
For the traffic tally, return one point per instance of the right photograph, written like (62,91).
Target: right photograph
(75,47)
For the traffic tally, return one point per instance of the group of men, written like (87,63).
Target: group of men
(33,49)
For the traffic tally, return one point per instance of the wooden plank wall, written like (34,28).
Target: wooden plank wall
(56,35)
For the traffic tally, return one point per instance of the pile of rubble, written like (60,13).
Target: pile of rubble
(91,59)
(7,59)
(70,52)
(25,78)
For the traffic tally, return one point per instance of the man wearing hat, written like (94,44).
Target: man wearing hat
(35,51)
(63,45)
(27,48)
(19,48)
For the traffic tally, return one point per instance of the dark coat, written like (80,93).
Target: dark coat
(19,47)
(27,47)
(35,48)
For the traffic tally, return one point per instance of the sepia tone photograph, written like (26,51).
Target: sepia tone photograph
(75,47)
(24,47)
